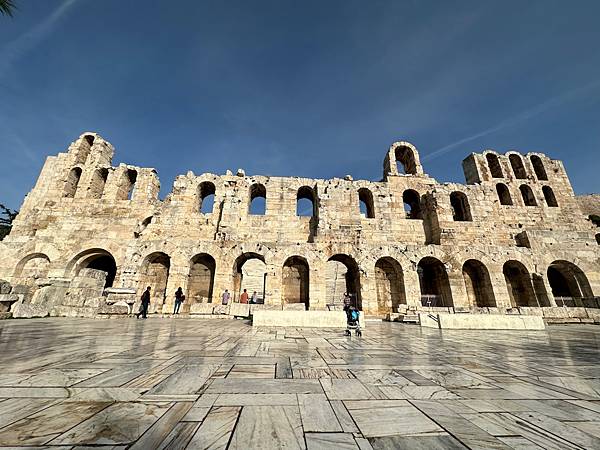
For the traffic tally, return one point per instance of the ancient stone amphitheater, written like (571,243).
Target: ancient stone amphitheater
(513,239)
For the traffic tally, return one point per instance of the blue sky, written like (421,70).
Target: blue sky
(317,89)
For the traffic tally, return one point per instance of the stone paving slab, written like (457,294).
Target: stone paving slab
(165,384)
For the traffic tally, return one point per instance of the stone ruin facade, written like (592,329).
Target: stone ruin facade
(514,239)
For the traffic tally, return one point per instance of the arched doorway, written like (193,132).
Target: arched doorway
(98,259)
(295,281)
(154,272)
(342,275)
(389,280)
(520,287)
(32,267)
(250,273)
(569,284)
(201,279)
(434,283)
(478,284)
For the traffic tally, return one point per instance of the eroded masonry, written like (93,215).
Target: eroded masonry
(514,238)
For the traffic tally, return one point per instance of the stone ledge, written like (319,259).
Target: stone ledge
(301,319)
(481,322)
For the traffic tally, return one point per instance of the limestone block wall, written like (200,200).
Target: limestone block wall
(514,235)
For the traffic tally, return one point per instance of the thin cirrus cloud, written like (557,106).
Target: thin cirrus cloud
(13,50)
(519,118)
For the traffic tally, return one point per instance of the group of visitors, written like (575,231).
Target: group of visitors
(180,298)
(244,298)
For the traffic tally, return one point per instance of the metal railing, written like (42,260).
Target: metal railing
(430,300)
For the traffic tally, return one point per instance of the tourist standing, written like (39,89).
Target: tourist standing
(254,298)
(179,297)
(226,297)
(145,303)
(244,297)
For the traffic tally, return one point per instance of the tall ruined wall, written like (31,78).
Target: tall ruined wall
(487,243)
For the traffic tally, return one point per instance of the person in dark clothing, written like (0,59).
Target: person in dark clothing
(179,297)
(145,303)
(347,301)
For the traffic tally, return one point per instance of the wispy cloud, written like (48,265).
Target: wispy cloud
(15,49)
(519,118)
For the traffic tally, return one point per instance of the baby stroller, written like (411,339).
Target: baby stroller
(353,322)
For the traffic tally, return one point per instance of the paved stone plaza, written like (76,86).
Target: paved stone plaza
(196,384)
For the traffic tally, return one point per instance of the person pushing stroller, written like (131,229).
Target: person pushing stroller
(352,316)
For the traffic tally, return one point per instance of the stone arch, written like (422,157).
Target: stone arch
(303,208)
(527,195)
(434,282)
(258,199)
(127,184)
(478,284)
(250,273)
(366,205)
(406,159)
(461,211)
(518,168)
(595,219)
(201,278)
(296,281)
(94,258)
(503,194)
(549,196)
(154,272)
(206,197)
(538,167)
(519,284)
(343,275)
(72,182)
(412,204)
(494,165)
(569,284)
(84,146)
(96,188)
(32,267)
(389,280)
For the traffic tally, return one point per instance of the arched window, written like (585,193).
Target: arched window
(549,196)
(127,186)
(89,139)
(494,165)
(98,182)
(365,199)
(306,202)
(72,182)
(538,167)
(527,194)
(206,197)
(517,165)
(258,199)
(595,220)
(504,194)
(406,158)
(598,239)
(412,204)
(461,212)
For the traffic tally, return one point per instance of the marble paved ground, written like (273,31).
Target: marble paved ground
(200,384)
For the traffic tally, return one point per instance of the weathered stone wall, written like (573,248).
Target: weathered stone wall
(511,236)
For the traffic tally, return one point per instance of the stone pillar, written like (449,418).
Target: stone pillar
(368,292)
(317,282)
(178,276)
(500,288)
(460,299)
(412,287)
(273,290)
(542,289)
